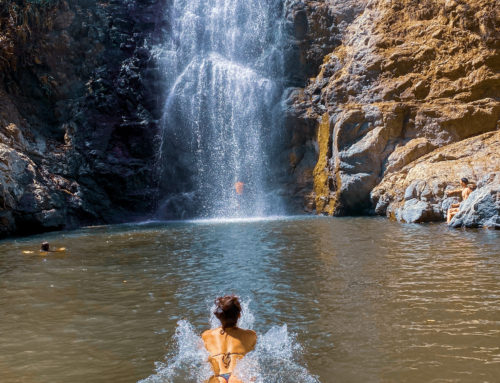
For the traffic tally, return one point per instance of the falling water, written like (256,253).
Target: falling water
(224,69)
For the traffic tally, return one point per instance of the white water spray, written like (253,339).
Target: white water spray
(224,68)
(275,359)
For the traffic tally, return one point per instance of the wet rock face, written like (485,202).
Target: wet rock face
(79,108)
(316,29)
(408,78)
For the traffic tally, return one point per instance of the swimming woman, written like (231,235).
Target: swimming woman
(227,344)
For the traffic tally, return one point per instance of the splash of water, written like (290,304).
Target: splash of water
(187,362)
(275,359)
(224,72)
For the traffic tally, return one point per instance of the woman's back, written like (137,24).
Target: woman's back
(227,344)
(226,347)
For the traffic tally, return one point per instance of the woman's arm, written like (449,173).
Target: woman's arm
(456,192)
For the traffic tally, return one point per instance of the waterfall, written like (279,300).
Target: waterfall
(224,71)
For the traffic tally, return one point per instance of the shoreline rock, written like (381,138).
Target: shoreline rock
(417,192)
(407,79)
(482,208)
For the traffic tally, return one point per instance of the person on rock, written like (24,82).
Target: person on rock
(227,344)
(465,191)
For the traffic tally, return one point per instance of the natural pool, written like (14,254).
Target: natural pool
(369,300)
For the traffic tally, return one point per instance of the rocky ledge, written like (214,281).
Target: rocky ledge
(417,192)
(482,208)
(391,113)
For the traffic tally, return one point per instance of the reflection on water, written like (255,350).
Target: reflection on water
(369,300)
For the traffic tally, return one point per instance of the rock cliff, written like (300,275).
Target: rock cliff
(78,111)
(394,105)
(401,99)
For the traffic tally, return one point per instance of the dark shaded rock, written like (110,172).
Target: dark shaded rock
(77,120)
(316,28)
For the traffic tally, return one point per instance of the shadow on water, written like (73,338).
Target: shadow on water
(368,299)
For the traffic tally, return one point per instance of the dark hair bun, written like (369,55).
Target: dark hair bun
(228,310)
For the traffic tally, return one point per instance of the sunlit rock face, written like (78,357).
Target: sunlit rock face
(417,191)
(407,79)
(374,89)
(79,103)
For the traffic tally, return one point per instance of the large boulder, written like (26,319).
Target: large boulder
(482,208)
(417,192)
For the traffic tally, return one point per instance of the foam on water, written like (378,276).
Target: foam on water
(275,359)
(238,220)
(187,362)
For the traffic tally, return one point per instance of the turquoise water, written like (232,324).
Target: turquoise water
(368,300)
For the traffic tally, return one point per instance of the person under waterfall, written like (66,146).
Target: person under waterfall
(227,344)
(239,188)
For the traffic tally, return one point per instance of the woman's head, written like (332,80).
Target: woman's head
(227,310)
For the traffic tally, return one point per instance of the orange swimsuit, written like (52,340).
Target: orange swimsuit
(239,186)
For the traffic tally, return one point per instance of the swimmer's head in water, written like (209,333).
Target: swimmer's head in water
(45,246)
(228,310)
(464,181)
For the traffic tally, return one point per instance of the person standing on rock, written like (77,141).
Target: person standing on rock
(465,191)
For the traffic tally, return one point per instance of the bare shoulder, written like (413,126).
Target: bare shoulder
(250,335)
(207,334)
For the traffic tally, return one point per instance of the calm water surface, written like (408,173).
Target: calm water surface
(369,300)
